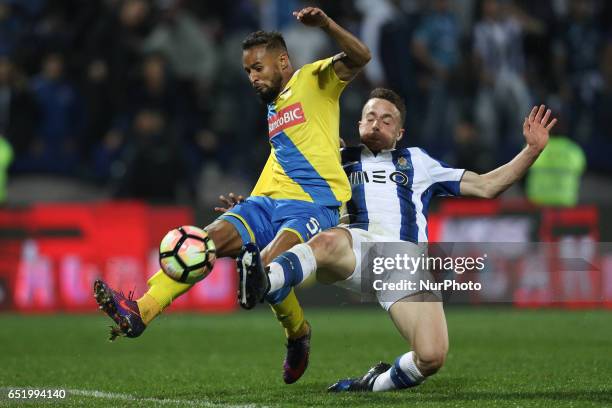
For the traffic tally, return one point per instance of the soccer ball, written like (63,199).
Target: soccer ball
(186,254)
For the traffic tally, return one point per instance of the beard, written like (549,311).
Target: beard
(376,141)
(268,94)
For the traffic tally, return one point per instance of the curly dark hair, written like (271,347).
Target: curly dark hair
(273,40)
(391,96)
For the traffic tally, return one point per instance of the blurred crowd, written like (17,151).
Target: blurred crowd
(149,98)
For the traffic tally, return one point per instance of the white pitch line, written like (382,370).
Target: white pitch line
(129,397)
(132,398)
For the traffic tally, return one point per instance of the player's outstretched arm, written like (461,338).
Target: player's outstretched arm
(355,54)
(536,130)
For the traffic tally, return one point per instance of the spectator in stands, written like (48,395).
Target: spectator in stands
(435,47)
(107,164)
(554,178)
(599,147)
(172,65)
(306,45)
(18,109)
(238,15)
(6,157)
(117,41)
(373,20)
(577,50)
(537,44)
(153,163)
(187,46)
(153,92)
(399,67)
(11,28)
(154,89)
(100,105)
(503,97)
(468,150)
(201,150)
(59,132)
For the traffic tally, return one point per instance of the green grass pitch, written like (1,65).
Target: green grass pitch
(498,357)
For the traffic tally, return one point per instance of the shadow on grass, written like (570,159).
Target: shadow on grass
(453,395)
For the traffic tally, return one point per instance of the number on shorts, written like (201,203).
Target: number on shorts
(313,226)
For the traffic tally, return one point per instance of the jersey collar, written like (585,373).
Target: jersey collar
(287,86)
(367,151)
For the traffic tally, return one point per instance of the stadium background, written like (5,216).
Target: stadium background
(129,117)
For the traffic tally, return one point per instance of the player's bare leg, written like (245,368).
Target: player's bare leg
(333,251)
(423,325)
(282,242)
(226,238)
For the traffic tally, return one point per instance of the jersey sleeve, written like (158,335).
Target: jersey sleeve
(264,178)
(324,75)
(444,179)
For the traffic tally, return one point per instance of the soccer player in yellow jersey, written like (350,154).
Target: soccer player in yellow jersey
(298,193)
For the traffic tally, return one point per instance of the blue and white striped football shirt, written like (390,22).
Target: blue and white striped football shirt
(392,189)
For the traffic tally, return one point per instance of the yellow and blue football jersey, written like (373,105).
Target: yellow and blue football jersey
(303,127)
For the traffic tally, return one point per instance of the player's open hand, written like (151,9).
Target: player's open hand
(312,16)
(537,126)
(229,202)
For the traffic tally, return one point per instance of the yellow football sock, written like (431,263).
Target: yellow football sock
(149,308)
(162,291)
(291,316)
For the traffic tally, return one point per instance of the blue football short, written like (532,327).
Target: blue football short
(258,219)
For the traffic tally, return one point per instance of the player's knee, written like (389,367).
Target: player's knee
(225,237)
(430,359)
(324,246)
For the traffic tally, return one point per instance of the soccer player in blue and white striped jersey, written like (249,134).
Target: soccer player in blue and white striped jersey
(391,192)
(392,189)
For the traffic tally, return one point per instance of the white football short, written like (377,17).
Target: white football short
(379,246)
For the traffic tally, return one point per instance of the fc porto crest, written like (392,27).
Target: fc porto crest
(402,164)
